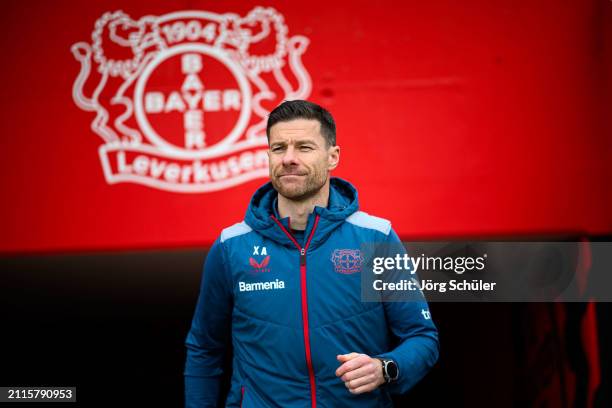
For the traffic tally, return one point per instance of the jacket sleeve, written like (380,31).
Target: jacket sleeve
(410,322)
(210,332)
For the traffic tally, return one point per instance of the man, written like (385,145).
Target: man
(283,288)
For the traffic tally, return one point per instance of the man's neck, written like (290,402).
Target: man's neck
(298,211)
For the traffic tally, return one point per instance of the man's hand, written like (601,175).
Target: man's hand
(360,373)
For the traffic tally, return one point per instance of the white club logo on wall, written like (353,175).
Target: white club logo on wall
(181,100)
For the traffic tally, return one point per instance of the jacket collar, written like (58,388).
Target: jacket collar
(343,202)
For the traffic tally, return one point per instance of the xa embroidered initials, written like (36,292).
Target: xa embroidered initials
(256,251)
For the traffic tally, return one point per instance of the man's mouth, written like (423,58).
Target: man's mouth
(291,175)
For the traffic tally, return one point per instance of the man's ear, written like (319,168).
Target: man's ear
(334,157)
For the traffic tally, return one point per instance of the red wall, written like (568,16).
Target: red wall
(454,119)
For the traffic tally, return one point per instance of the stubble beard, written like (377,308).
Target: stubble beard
(309,187)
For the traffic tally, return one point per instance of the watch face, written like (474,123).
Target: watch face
(392,370)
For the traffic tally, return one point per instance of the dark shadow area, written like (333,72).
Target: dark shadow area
(113,325)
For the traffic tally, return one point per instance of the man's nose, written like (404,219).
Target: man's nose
(289,158)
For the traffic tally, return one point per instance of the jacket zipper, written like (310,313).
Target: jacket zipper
(306,331)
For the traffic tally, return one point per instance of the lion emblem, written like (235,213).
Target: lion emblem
(188,91)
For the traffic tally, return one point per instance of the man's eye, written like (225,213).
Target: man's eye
(276,149)
(305,148)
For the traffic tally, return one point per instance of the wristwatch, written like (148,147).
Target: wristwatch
(390,370)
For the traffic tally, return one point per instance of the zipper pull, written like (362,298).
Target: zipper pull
(302,256)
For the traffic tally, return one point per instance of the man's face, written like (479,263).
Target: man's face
(300,160)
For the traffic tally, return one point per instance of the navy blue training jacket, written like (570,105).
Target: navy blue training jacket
(290,305)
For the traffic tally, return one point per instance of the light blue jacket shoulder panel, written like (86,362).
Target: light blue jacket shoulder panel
(365,220)
(235,230)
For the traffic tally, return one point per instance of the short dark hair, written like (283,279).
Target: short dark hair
(298,109)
